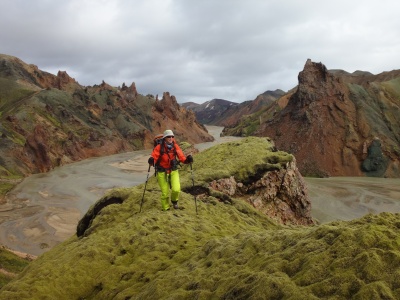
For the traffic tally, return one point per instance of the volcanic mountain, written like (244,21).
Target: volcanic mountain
(49,120)
(335,123)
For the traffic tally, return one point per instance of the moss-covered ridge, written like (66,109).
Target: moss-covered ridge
(246,160)
(228,250)
(225,252)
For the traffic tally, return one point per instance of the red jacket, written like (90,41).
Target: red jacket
(168,155)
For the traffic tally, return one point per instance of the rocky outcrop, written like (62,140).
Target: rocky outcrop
(168,114)
(91,214)
(376,162)
(36,144)
(280,194)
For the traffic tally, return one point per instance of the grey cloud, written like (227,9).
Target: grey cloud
(199,50)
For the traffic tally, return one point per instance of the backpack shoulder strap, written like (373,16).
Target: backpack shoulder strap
(162,150)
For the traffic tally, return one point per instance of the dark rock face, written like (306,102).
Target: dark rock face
(376,163)
(85,223)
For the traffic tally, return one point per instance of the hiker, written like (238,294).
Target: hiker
(166,157)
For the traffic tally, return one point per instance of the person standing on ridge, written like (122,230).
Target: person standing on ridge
(166,157)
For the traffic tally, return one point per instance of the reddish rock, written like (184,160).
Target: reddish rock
(53,120)
(332,118)
(168,114)
(280,194)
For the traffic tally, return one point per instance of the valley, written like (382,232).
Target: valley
(44,209)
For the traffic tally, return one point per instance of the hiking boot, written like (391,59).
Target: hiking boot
(175,205)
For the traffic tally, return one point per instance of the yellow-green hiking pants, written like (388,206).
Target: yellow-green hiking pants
(164,181)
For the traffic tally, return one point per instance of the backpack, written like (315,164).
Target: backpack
(158,139)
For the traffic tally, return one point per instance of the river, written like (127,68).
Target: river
(44,209)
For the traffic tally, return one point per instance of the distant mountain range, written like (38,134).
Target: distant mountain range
(226,113)
(210,111)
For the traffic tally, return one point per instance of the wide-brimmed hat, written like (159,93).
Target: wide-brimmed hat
(168,133)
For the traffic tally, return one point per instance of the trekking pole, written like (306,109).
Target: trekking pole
(195,200)
(147,179)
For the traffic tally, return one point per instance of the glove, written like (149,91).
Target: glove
(151,161)
(189,159)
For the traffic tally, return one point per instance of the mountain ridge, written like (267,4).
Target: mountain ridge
(222,112)
(210,110)
(49,120)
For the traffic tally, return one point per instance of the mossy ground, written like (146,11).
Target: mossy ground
(242,159)
(10,265)
(224,251)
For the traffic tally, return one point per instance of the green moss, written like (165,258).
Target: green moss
(184,146)
(17,138)
(375,291)
(11,262)
(392,87)
(8,179)
(137,143)
(242,159)
(54,121)
(11,265)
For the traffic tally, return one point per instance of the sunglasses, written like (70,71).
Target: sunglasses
(168,137)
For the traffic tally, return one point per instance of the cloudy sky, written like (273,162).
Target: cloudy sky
(199,50)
